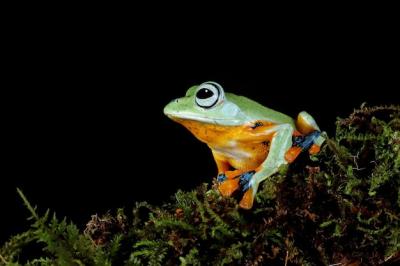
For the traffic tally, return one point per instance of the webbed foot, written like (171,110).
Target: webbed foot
(229,182)
(248,188)
(311,142)
(247,200)
(227,187)
(245,180)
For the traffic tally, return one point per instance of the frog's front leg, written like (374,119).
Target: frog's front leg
(280,143)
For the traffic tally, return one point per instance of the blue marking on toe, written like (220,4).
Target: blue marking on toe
(305,142)
(309,140)
(221,178)
(244,181)
(246,187)
(296,141)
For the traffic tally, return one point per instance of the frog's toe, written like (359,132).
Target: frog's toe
(314,149)
(247,199)
(244,180)
(221,178)
(233,174)
(227,187)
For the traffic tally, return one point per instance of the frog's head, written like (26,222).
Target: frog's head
(205,103)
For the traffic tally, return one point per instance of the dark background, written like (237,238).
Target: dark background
(85,132)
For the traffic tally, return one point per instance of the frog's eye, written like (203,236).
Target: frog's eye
(208,94)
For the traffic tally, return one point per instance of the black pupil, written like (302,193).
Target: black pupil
(204,94)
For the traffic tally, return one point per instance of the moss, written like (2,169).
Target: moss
(342,206)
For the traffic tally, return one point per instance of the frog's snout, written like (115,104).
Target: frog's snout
(169,108)
(174,101)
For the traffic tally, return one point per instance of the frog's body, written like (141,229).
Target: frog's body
(249,142)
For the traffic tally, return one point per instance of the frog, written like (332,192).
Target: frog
(249,141)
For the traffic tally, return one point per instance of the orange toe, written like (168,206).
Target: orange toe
(229,186)
(233,174)
(247,200)
(292,154)
(314,149)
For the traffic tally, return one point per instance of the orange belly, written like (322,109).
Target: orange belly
(243,157)
(232,144)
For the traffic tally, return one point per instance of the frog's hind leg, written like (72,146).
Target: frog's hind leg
(306,124)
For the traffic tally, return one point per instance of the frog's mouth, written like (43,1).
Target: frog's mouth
(208,120)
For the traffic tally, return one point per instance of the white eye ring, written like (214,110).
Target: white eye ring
(208,94)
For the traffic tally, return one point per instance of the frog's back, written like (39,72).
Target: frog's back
(255,111)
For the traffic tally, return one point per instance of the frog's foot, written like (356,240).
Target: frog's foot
(247,186)
(221,178)
(311,142)
(317,143)
(227,187)
(245,178)
(292,154)
(229,182)
(233,174)
(247,199)
(314,149)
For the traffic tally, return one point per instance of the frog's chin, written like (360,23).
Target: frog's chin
(202,119)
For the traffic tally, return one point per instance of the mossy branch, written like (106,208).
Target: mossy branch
(339,208)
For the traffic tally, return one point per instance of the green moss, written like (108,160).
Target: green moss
(340,206)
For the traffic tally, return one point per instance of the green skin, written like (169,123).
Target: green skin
(233,110)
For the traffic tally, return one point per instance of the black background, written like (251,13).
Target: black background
(83,118)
